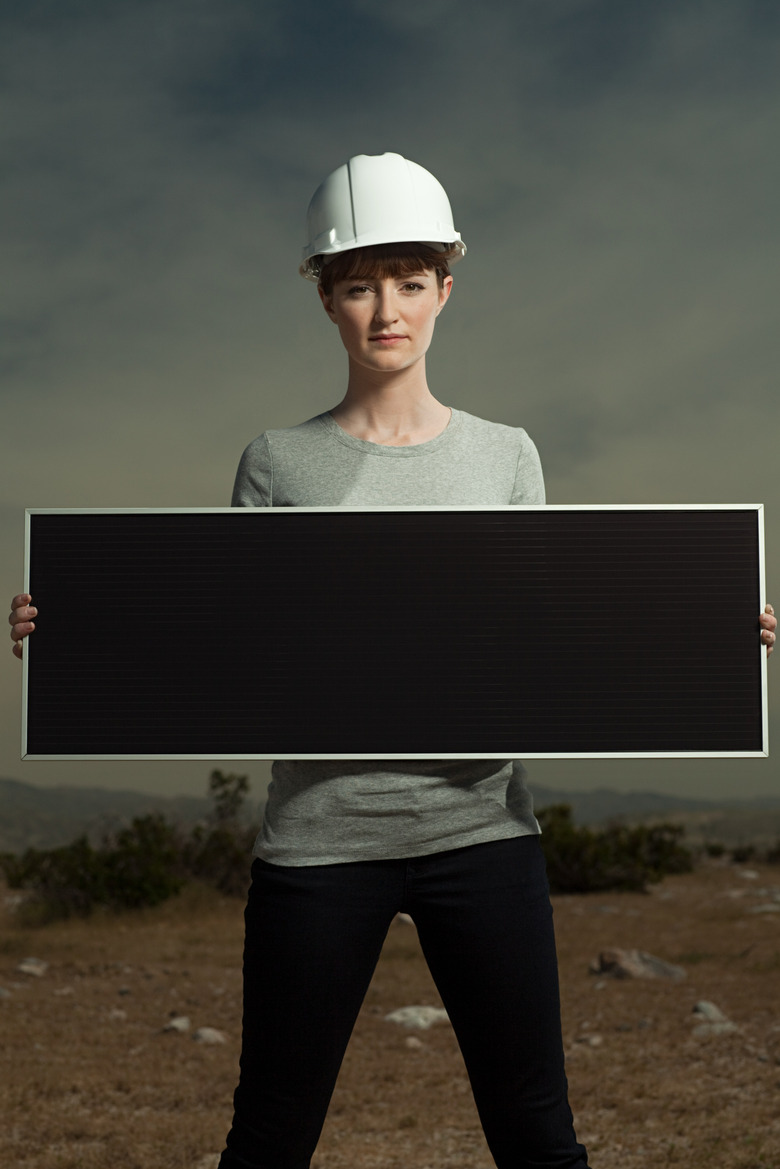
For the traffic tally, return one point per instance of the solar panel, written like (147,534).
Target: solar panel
(395,633)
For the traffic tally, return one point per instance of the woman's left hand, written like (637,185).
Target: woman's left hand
(768,623)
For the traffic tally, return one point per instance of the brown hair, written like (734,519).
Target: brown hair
(382,260)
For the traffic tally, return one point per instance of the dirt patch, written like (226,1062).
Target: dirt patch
(90,1078)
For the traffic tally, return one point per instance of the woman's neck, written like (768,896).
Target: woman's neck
(391,412)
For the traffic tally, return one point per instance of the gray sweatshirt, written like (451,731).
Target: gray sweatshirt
(327,812)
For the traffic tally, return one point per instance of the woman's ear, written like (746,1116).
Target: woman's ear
(444,293)
(327,303)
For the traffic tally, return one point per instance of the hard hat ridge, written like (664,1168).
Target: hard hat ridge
(377,199)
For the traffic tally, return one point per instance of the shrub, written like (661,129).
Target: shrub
(140,866)
(583,860)
(228,793)
(63,881)
(221,856)
(220,853)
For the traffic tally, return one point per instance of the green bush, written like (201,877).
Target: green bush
(220,853)
(228,791)
(585,860)
(140,866)
(62,881)
(220,856)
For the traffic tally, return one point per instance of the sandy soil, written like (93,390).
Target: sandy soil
(91,1080)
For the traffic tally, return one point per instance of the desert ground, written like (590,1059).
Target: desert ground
(91,1079)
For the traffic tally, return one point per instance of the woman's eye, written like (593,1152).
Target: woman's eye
(359,290)
(412,286)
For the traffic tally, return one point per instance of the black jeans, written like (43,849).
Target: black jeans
(313,937)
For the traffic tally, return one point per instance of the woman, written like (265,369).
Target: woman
(344,846)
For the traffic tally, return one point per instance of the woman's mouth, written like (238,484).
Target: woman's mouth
(387,338)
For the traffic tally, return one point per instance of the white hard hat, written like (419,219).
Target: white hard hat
(377,199)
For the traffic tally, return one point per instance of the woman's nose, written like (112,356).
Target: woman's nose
(386,309)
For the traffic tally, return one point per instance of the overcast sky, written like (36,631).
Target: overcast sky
(613,168)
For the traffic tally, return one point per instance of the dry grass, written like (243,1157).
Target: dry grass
(90,1080)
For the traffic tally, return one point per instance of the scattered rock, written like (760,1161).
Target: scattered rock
(715,1028)
(209,1035)
(117,1015)
(413,1041)
(62,991)
(635,964)
(707,1010)
(4,994)
(124,990)
(420,1018)
(34,966)
(714,1022)
(590,1040)
(178,1023)
(749,874)
(765,907)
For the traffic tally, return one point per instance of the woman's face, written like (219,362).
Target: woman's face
(386,322)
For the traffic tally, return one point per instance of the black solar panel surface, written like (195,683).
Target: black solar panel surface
(395,633)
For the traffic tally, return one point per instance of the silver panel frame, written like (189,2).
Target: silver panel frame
(757,507)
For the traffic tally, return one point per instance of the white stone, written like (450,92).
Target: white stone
(590,1040)
(179,1023)
(707,1010)
(34,966)
(715,1028)
(635,964)
(420,1018)
(714,1021)
(209,1035)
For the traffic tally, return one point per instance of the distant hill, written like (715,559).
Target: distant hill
(46,817)
(732,822)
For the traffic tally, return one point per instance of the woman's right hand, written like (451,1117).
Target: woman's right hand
(19,620)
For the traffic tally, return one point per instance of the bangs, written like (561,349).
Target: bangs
(382,261)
